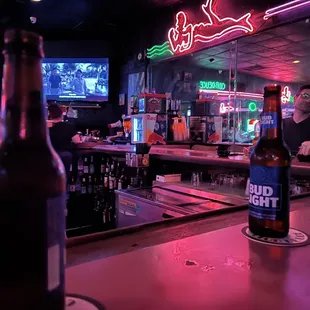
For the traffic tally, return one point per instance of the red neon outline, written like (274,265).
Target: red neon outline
(189,31)
(184,46)
(284,7)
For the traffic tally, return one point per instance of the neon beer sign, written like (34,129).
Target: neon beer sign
(183,35)
(286,95)
(203,85)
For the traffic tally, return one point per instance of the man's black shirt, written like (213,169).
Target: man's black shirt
(61,135)
(295,134)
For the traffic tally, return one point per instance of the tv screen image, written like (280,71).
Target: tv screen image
(72,79)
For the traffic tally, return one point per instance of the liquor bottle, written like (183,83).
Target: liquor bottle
(120,182)
(111,181)
(106,179)
(91,165)
(72,187)
(90,185)
(80,164)
(100,184)
(85,166)
(83,186)
(95,185)
(32,185)
(107,166)
(102,165)
(78,185)
(112,177)
(269,200)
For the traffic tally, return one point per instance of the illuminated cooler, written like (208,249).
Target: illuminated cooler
(149,128)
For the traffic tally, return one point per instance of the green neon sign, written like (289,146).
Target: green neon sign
(212,85)
(252,106)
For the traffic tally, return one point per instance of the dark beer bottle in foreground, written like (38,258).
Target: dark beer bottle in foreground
(32,186)
(269,200)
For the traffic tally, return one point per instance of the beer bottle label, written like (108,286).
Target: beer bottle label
(269,121)
(38,227)
(269,197)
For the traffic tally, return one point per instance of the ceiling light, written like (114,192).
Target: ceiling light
(35,0)
(296,61)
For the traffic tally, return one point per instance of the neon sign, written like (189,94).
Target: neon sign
(252,106)
(183,36)
(286,95)
(226,108)
(285,8)
(159,50)
(212,85)
(226,93)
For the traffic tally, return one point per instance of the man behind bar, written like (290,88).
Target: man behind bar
(296,129)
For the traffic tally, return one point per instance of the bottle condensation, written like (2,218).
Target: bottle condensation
(32,185)
(269,200)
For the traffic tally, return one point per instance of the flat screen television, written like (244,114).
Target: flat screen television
(76,79)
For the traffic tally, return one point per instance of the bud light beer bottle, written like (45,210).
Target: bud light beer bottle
(269,200)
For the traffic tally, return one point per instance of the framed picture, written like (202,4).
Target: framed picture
(121,100)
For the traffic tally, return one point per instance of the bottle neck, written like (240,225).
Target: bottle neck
(22,105)
(271,120)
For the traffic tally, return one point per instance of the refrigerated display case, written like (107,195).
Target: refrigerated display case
(149,128)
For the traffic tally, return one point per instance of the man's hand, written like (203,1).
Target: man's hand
(304,149)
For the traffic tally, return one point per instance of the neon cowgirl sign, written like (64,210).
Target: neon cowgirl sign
(183,36)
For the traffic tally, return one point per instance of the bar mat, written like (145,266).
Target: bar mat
(79,302)
(294,238)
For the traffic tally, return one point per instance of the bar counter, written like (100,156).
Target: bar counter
(220,269)
(182,154)
(210,158)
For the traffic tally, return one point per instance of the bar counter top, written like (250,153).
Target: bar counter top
(211,158)
(218,270)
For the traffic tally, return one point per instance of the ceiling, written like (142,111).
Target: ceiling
(89,16)
(92,17)
(268,55)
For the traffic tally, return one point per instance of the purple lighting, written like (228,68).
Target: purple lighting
(285,7)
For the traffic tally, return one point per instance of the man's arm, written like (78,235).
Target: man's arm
(75,137)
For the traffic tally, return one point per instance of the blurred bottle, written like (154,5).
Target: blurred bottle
(91,165)
(32,186)
(86,166)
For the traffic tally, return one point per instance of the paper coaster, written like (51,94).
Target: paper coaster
(78,302)
(294,238)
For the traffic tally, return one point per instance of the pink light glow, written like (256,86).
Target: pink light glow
(226,93)
(183,35)
(285,7)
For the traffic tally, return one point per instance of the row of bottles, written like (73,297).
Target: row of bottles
(90,178)
(91,185)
